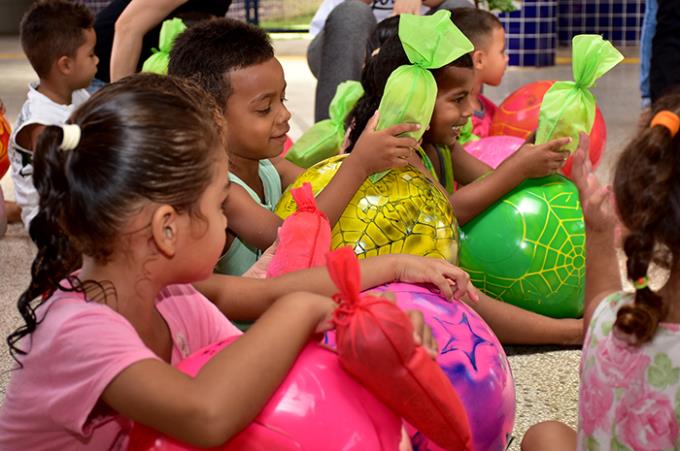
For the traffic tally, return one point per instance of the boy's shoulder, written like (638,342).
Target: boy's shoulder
(40,109)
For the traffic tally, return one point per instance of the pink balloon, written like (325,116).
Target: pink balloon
(493,150)
(317,406)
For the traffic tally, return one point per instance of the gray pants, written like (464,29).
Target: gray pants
(336,54)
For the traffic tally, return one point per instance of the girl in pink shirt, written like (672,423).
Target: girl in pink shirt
(131,194)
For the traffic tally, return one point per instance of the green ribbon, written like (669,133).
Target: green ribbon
(568,107)
(158,62)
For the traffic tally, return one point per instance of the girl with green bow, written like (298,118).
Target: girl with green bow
(424,75)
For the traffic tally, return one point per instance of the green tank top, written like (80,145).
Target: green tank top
(240,256)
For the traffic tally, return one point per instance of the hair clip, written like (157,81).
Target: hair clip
(71,136)
(640,283)
(667,119)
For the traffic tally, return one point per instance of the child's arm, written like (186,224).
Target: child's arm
(245,299)
(466,167)
(529,161)
(602,267)
(27,137)
(250,221)
(232,388)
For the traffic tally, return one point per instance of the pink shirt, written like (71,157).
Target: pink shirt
(75,353)
(481,120)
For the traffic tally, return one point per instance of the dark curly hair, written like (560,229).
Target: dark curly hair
(648,199)
(129,153)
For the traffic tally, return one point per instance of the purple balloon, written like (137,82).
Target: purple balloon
(493,150)
(474,361)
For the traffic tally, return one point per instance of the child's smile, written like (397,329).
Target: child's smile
(452,108)
(255,112)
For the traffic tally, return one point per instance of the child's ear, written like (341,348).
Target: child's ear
(64,64)
(478,59)
(164,230)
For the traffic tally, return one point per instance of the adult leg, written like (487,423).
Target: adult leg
(339,51)
(664,75)
(646,36)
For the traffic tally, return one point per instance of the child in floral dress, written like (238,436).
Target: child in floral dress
(630,368)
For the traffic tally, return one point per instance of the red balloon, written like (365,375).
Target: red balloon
(518,115)
(5,131)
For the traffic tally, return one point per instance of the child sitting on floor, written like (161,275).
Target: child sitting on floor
(630,366)
(442,156)
(109,309)
(235,63)
(486,33)
(58,38)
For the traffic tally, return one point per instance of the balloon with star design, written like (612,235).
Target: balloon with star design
(474,361)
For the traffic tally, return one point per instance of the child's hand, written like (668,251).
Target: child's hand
(259,269)
(378,151)
(542,159)
(422,333)
(597,200)
(452,282)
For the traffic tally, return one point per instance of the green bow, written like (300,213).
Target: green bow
(569,107)
(158,62)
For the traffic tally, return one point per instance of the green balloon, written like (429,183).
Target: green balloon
(528,248)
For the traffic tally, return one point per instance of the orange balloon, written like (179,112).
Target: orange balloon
(5,131)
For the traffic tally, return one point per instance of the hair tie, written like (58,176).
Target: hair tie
(667,119)
(71,136)
(640,283)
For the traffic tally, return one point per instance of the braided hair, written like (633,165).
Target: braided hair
(648,199)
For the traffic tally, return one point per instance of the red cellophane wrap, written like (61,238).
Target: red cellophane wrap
(375,344)
(304,237)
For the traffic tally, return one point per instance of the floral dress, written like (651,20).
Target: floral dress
(630,396)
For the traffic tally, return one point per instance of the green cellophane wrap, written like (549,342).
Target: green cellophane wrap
(158,62)
(430,42)
(568,107)
(324,139)
(466,134)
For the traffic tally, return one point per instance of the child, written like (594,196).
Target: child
(443,157)
(629,367)
(58,39)
(235,63)
(489,59)
(109,309)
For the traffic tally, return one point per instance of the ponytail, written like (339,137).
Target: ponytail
(56,257)
(647,190)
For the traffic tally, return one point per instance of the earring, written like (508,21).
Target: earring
(168,232)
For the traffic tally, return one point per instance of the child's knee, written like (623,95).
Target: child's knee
(549,435)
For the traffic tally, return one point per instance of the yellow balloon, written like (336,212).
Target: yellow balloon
(401,213)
